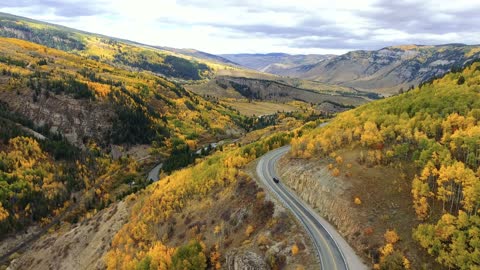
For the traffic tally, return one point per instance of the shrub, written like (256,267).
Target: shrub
(190,257)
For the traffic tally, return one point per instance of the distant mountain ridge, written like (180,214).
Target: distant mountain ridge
(385,71)
(199,54)
(271,62)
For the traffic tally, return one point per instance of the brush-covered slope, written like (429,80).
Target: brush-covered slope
(388,70)
(208,215)
(107,49)
(430,137)
(84,99)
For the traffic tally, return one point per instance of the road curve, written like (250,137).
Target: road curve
(333,251)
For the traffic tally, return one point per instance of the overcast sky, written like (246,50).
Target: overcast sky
(260,26)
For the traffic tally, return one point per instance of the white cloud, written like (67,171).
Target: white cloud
(229,26)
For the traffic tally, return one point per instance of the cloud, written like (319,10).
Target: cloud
(300,26)
(69,8)
(424,16)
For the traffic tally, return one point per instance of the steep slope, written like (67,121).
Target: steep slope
(388,70)
(404,163)
(107,49)
(212,206)
(274,61)
(219,207)
(86,99)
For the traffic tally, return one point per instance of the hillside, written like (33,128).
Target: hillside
(272,62)
(384,71)
(274,91)
(404,164)
(211,215)
(106,49)
(85,99)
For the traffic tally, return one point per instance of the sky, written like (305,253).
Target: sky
(264,26)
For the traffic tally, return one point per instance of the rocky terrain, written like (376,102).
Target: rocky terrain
(76,246)
(78,120)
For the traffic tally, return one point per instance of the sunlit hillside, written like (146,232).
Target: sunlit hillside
(110,50)
(144,107)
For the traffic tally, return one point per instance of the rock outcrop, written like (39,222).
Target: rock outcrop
(245,260)
(77,120)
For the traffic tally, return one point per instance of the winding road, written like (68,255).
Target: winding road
(333,251)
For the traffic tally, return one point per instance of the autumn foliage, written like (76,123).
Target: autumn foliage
(220,171)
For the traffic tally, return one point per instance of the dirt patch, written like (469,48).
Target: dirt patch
(11,241)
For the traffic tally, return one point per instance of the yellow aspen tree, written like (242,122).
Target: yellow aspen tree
(391,236)
(250,229)
(295,249)
(357,201)
(335,172)
(3,213)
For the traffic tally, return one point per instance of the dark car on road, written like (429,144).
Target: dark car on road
(276,180)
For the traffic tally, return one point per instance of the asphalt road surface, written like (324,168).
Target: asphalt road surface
(333,251)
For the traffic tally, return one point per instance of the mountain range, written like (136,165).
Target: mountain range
(385,71)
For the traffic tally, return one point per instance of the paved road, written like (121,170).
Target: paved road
(333,251)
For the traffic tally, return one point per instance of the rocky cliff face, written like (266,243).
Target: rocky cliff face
(237,260)
(77,120)
(327,194)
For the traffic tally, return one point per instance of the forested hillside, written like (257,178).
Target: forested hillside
(44,177)
(106,49)
(133,108)
(196,217)
(61,113)
(434,131)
